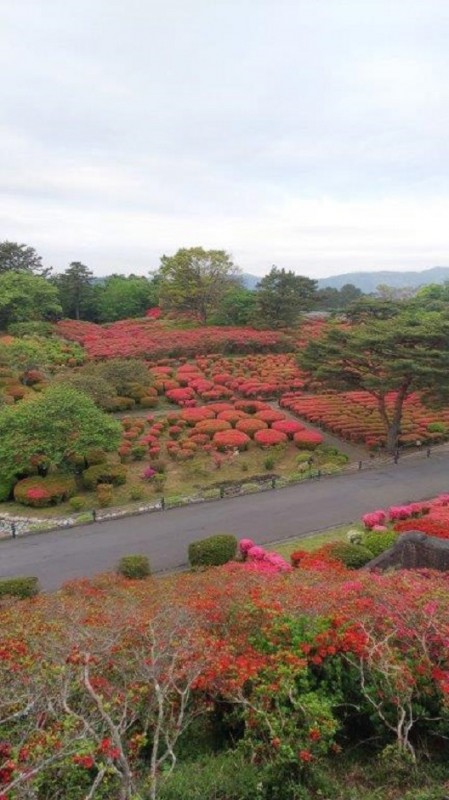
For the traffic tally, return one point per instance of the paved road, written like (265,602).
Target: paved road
(58,556)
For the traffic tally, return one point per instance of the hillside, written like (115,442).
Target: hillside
(369,281)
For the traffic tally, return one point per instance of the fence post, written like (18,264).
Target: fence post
(273,483)
(13,530)
(221,492)
(360,465)
(162,503)
(428,452)
(94,515)
(319,473)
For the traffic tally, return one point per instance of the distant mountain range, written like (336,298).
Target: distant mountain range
(369,281)
(250,281)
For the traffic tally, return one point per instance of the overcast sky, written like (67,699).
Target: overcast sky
(311,134)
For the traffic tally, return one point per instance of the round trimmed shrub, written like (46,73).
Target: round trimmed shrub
(270,415)
(77,503)
(135,567)
(211,426)
(41,492)
(114,474)
(250,406)
(269,438)
(378,542)
(250,425)
(19,587)
(233,416)
(104,494)
(352,556)
(288,426)
(213,551)
(307,440)
(95,456)
(228,440)
(194,415)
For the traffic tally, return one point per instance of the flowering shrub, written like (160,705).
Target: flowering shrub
(288,426)
(230,439)
(211,426)
(149,338)
(250,425)
(41,492)
(307,440)
(269,437)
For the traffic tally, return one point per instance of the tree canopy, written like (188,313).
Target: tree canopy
(75,289)
(53,424)
(16,257)
(403,353)
(282,296)
(196,280)
(124,297)
(24,297)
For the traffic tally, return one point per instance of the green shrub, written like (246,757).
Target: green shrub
(77,503)
(40,492)
(104,494)
(269,462)
(352,556)
(136,493)
(213,551)
(377,542)
(217,777)
(96,455)
(148,402)
(104,473)
(5,490)
(134,566)
(138,452)
(436,427)
(19,587)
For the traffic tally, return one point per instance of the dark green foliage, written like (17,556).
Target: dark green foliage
(377,542)
(213,551)
(221,777)
(352,556)
(281,297)
(5,489)
(114,474)
(134,567)
(19,587)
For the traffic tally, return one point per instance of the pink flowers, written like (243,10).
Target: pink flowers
(374,518)
(257,559)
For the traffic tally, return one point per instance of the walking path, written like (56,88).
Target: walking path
(270,516)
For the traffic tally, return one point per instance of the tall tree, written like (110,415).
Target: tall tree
(75,288)
(236,308)
(282,296)
(402,354)
(24,297)
(53,424)
(125,296)
(195,280)
(16,257)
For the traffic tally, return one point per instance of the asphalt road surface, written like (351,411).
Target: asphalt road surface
(270,516)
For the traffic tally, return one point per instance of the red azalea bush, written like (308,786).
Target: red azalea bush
(230,439)
(288,426)
(42,492)
(211,426)
(307,440)
(270,415)
(250,425)
(269,437)
(194,415)
(148,338)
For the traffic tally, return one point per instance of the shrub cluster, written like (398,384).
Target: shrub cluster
(114,474)
(134,567)
(19,587)
(41,492)
(213,551)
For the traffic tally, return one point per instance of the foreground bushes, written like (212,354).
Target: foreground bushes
(19,587)
(114,474)
(134,567)
(213,551)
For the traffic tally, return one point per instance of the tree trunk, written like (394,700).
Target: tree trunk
(393,422)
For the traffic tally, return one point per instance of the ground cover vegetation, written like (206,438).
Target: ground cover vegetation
(249,681)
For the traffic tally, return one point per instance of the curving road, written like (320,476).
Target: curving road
(273,515)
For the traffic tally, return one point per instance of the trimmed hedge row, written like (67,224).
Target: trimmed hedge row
(213,551)
(19,587)
(134,567)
